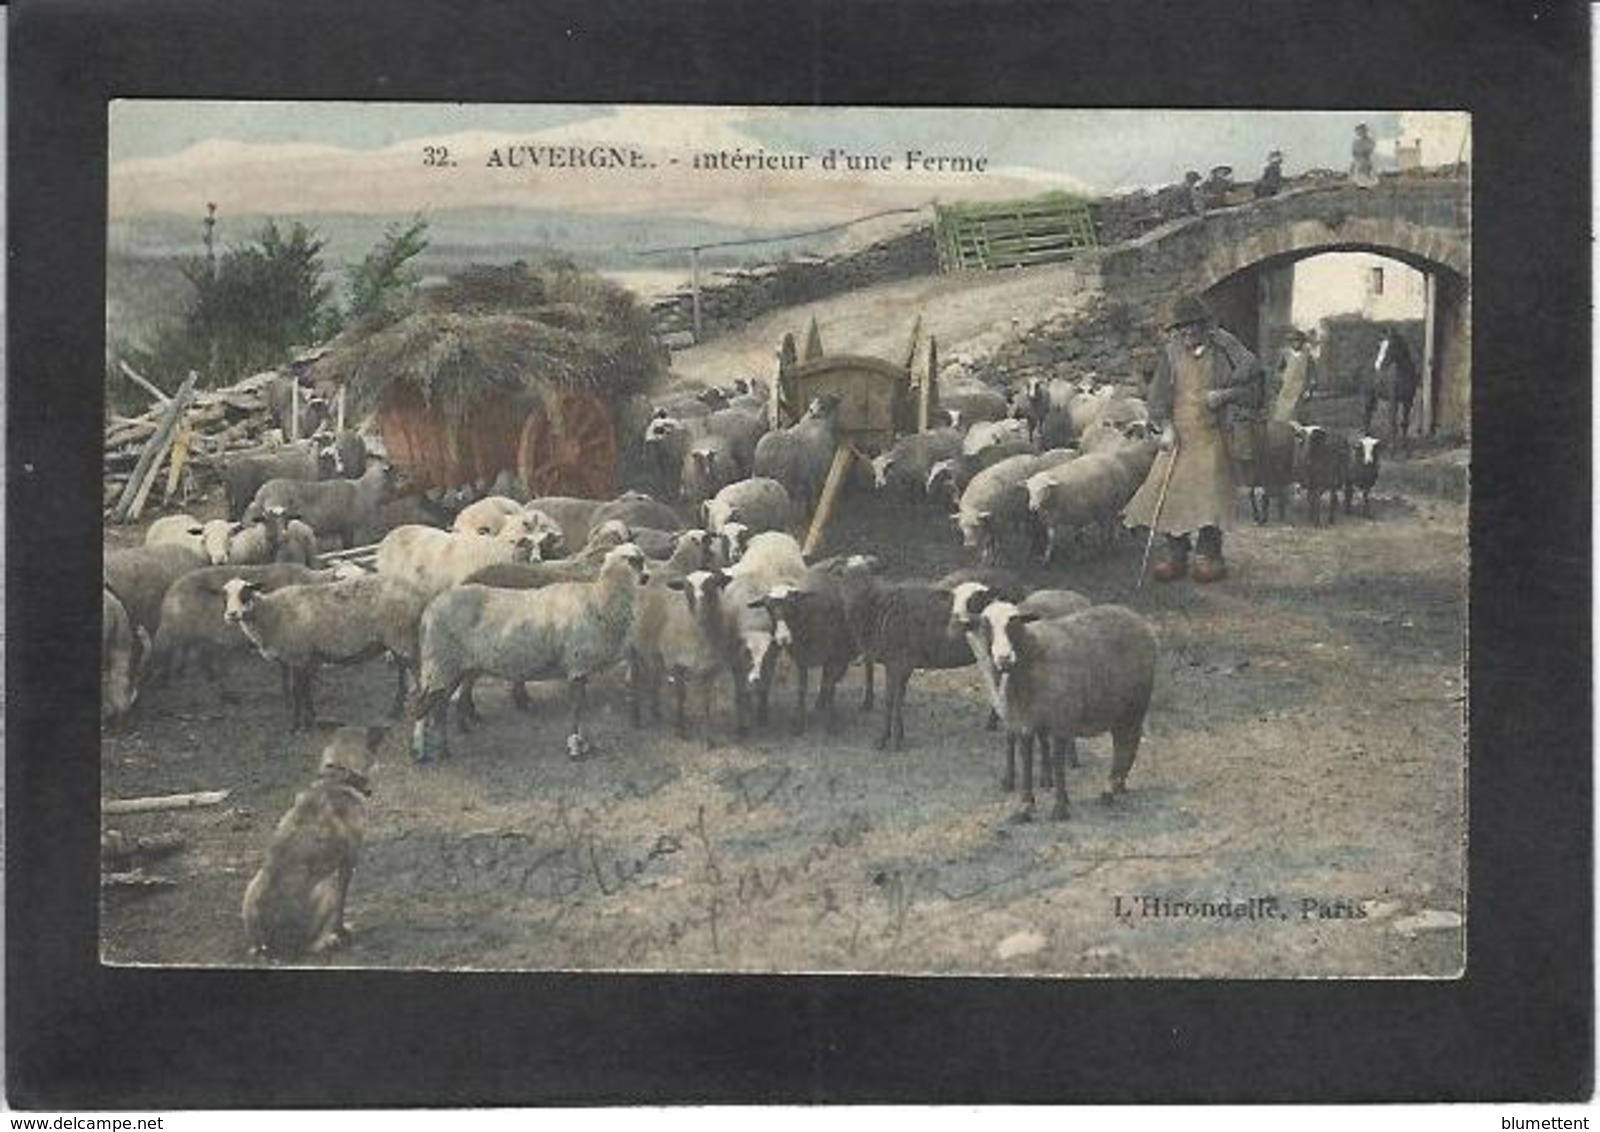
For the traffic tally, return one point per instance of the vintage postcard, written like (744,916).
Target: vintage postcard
(748,539)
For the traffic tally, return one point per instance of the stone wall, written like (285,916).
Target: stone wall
(741,295)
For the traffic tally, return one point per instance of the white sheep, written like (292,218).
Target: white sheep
(434,560)
(489,515)
(679,634)
(341,622)
(760,503)
(568,630)
(1091,490)
(194,625)
(769,559)
(993,513)
(268,537)
(988,434)
(1072,678)
(485,516)
(968,600)
(183,530)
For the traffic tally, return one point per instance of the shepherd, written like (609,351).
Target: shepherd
(1206,398)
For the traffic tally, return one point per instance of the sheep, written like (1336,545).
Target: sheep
(269,537)
(751,395)
(243,475)
(666,445)
(730,432)
(968,599)
(693,552)
(798,457)
(580,567)
(708,466)
(139,577)
(729,544)
(634,508)
(583,566)
(809,624)
(768,559)
(1361,472)
(1092,489)
(184,530)
(434,560)
(760,503)
(1072,677)
(988,434)
(193,625)
(574,516)
(486,516)
(974,403)
(903,626)
(1271,473)
(680,632)
(489,515)
(903,470)
(947,479)
(993,511)
(1321,457)
(656,543)
(740,428)
(340,622)
(332,507)
(569,630)
(118,657)
(1086,403)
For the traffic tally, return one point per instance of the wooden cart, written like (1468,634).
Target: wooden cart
(879,401)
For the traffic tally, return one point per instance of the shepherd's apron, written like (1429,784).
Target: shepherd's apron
(1202,490)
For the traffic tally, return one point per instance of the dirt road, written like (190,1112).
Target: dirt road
(1296,809)
(972,313)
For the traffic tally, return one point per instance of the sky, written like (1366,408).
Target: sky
(281,158)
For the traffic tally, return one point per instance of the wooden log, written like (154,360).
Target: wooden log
(830,495)
(136,879)
(180,452)
(155,448)
(163,802)
(142,382)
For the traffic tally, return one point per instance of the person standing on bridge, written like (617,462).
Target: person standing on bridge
(1361,151)
(1207,392)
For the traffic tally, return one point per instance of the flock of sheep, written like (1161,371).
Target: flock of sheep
(567,589)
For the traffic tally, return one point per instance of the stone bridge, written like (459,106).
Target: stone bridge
(1241,260)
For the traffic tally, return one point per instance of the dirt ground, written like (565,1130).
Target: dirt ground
(1296,809)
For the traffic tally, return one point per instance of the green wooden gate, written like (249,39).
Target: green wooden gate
(1012,233)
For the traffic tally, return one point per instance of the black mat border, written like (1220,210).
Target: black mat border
(1519,1026)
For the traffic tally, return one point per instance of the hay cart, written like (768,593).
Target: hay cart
(879,401)
(532,370)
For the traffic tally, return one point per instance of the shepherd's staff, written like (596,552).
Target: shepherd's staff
(1161,502)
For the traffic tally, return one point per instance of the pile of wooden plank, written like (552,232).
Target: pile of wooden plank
(191,431)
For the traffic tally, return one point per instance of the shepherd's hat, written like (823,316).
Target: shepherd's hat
(1188,310)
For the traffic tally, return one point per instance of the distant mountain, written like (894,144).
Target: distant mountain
(457,235)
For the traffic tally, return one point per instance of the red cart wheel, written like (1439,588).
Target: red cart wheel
(569,447)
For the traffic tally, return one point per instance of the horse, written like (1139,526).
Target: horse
(1392,378)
